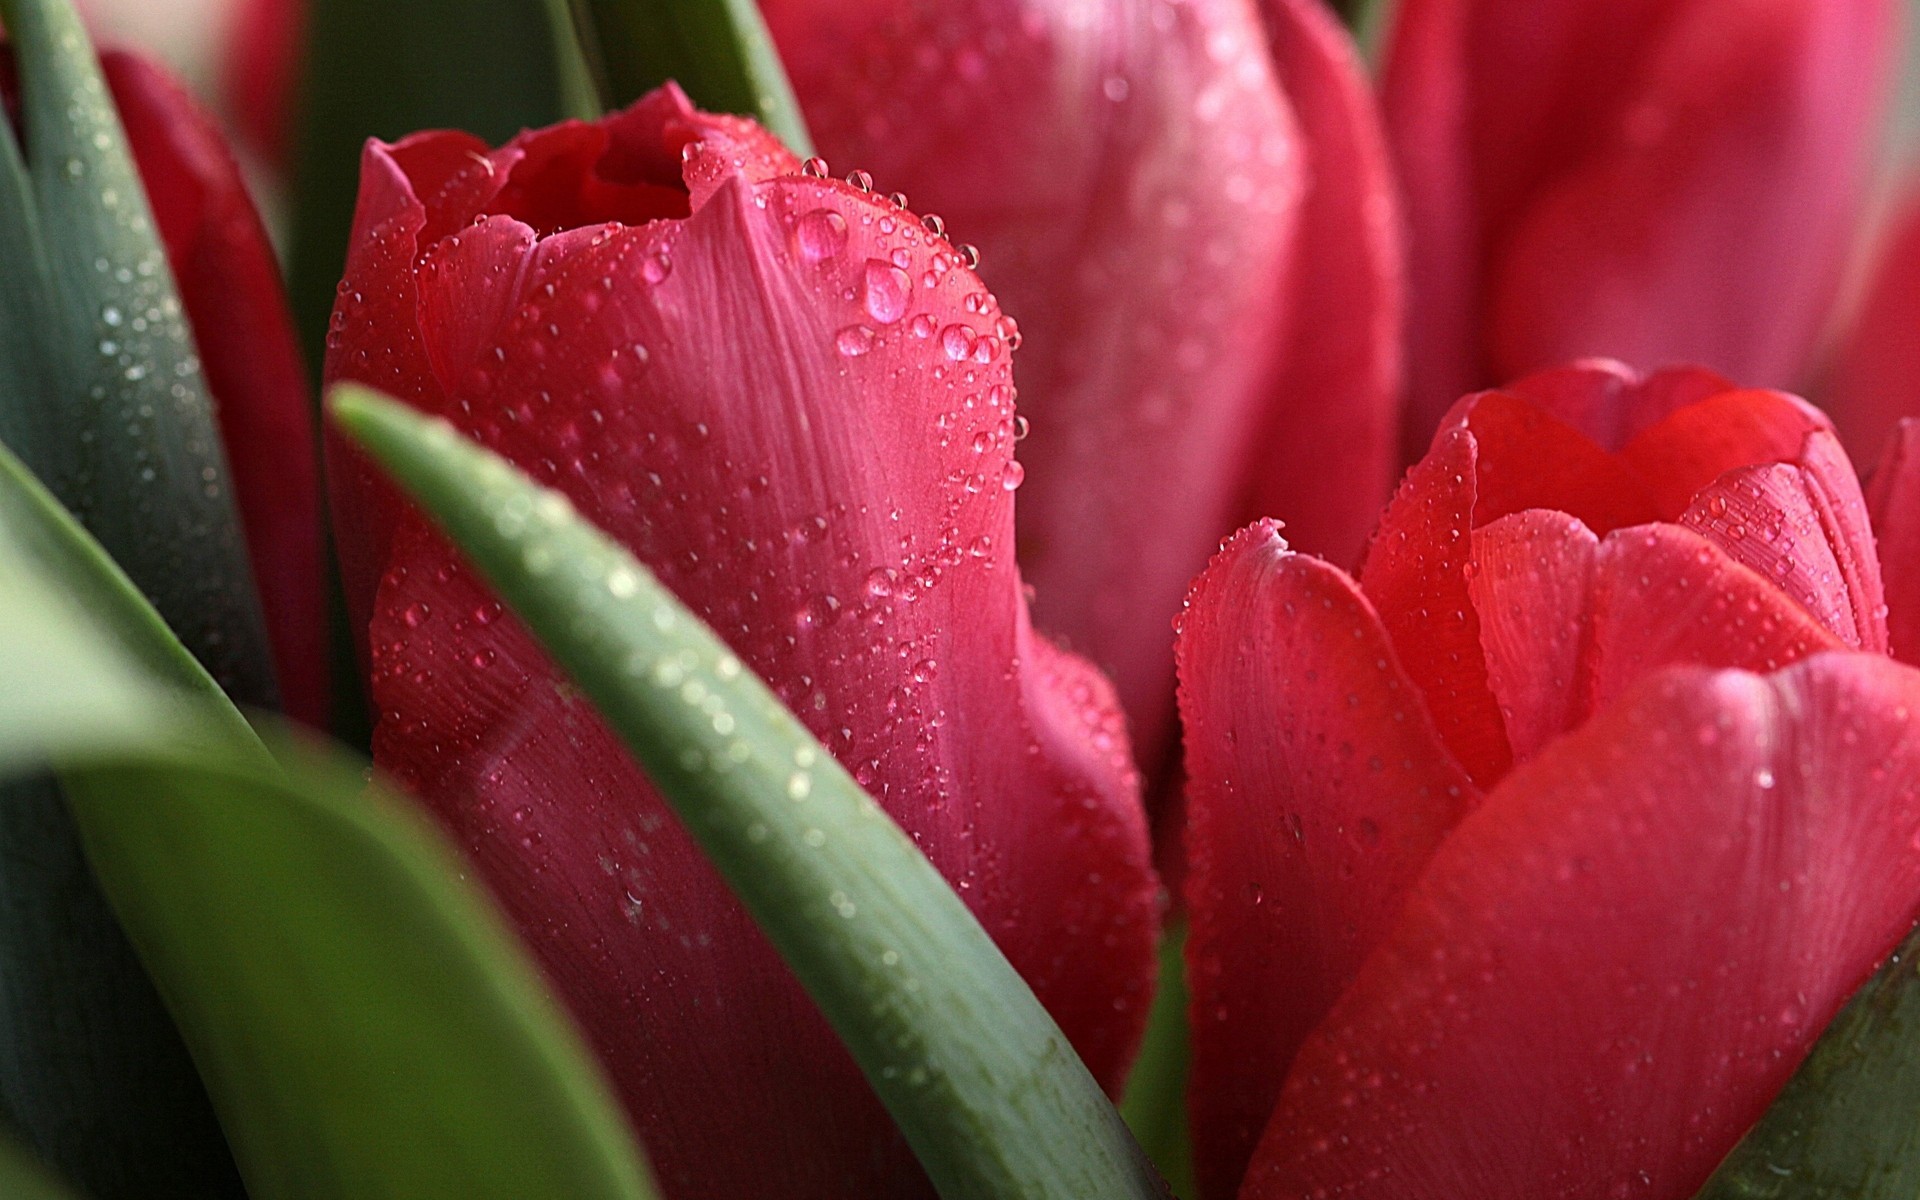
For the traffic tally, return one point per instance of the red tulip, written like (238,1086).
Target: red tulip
(1188,210)
(1655,180)
(1499,846)
(795,404)
(230,285)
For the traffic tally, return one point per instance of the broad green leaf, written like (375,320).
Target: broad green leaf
(387,68)
(21,1178)
(100,387)
(92,1071)
(366,1024)
(717,50)
(1155,1105)
(1847,1125)
(980,1080)
(364,1020)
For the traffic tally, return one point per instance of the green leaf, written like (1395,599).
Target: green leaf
(103,395)
(719,51)
(381,68)
(981,1081)
(366,1024)
(21,1178)
(364,1020)
(1155,1105)
(1847,1125)
(92,1070)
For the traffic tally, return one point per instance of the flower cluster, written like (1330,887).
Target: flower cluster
(1531,822)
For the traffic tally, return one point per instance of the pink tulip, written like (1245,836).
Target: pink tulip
(1187,208)
(795,403)
(1507,878)
(1653,180)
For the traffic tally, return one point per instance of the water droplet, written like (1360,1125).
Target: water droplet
(854,340)
(1717,506)
(656,267)
(822,234)
(415,615)
(814,168)
(958,341)
(969,254)
(860,181)
(888,291)
(933,225)
(1014,474)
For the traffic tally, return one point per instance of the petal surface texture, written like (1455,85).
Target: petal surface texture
(791,400)
(1895,502)
(1650,180)
(1317,787)
(1137,184)
(1613,964)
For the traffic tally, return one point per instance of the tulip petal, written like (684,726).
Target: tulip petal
(230,284)
(1780,520)
(1696,444)
(1894,499)
(816,457)
(1612,966)
(1532,588)
(1732,166)
(1317,790)
(1132,176)
(1626,178)
(1876,372)
(1326,458)
(1666,596)
(1529,458)
(1612,403)
(1415,575)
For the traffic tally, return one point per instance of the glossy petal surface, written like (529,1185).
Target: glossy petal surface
(1133,178)
(1610,967)
(1317,789)
(1666,596)
(230,284)
(1532,588)
(766,401)
(1324,463)
(1415,575)
(1656,182)
(1894,499)
(1876,373)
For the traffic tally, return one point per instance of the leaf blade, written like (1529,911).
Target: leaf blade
(273,906)
(719,51)
(108,404)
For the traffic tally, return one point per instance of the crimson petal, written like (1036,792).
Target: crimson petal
(1894,500)
(230,284)
(1876,373)
(1532,588)
(1666,596)
(1611,967)
(768,403)
(1317,789)
(1415,575)
(1648,180)
(1133,178)
(1787,523)
(1326,459)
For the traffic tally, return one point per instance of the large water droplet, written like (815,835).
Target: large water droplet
(822,234)
(888,291)
(854,340)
